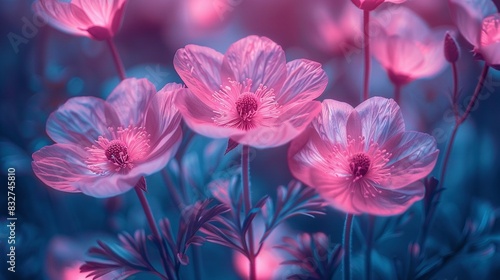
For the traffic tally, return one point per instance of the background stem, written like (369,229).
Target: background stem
(346,241)
(369,246)
(154,228)
(366,33)
(116,59)
(245,169)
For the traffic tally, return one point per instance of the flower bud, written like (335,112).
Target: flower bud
(451,50)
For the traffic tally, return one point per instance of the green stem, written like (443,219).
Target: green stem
(369,245)
(346,241)
(366,34)
(154,228)
(116,59)
(397,93)
(245,169)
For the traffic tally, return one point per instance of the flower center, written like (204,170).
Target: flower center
(240,107)
(246,105)
(360,161)
(117,152)
(359,164)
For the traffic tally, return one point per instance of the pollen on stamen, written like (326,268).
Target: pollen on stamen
(241,108)
(246,105)
(118,154)
(359,165)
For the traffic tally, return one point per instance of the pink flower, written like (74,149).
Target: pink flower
(97,19)
(361,160)
(370,5)
(407,48)
(250,94)
(331,26)
(479,23)
(103,147)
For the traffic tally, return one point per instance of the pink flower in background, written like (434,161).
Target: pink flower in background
(267,264)
(97,19)
(103,147)
(250,94)
(361,160)
(370,5)
(479,23)
(331,26)
(407,48)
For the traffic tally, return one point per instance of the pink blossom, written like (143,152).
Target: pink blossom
(97,19)
(361,160)
(250,94)
(103,147)
(370,5)
(407,48)
(331,27)
(479,23)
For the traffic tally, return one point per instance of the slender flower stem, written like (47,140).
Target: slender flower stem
(366,32)
(173,192)
(179,205)
(454,100)
(369,245)
(198,267)
(460,120)
(397,93)
(154,228)
(346,241)
(245,169)
(116,59)
(479,87)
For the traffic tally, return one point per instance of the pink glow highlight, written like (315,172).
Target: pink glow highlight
(103,147)
(96,19)
(267,264)
(73,272)
(361,160)
(250,94)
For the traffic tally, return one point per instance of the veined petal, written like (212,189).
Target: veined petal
(81,120)
(355,200)
(163,117)
(305,81)
(108,185)
(199,68)
(64,16)
(288,126)
(131,99)
(381,119)
(256,58)
(331,123)
(300,115)
(199,117)
(308,160)
(414,156)
(61,165)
